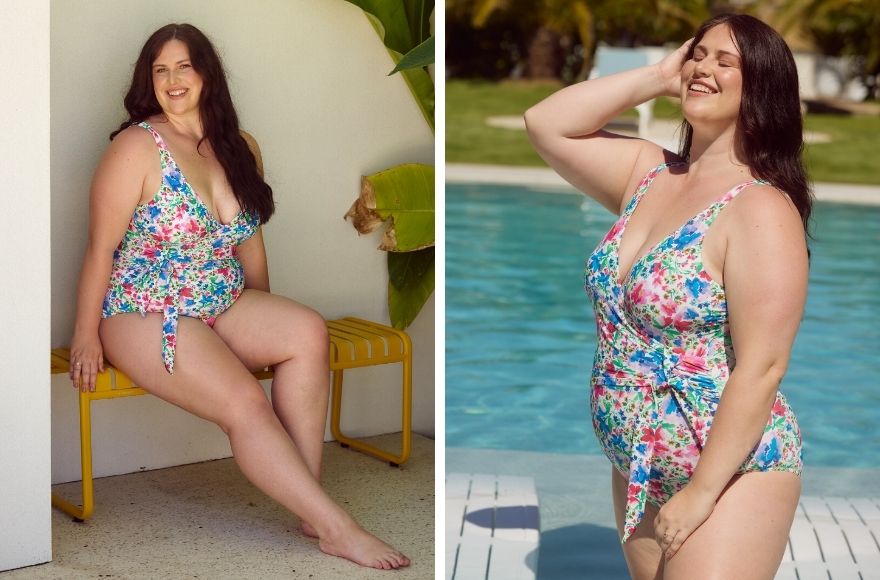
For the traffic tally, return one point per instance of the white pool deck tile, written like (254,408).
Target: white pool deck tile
(492,527)
(833,537)
(836,533)
(546,178)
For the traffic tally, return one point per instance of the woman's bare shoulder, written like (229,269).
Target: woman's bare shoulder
(649,158)
(762,216)
(250,140)
(129,158)
(254,147)
(764,204)
(133,142)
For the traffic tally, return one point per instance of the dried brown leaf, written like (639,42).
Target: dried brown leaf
(362,214)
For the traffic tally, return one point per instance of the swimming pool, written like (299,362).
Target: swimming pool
(520,333)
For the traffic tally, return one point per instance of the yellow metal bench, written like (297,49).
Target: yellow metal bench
(354,343)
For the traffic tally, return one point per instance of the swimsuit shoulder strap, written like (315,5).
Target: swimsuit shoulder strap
(165,158)
(156,137)
(714,209)
(645,184)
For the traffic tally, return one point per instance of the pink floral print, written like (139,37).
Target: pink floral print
(664,355)
(176,258)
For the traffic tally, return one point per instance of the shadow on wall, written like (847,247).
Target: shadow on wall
(581,551)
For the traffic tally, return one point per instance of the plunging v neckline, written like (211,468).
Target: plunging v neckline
(622,282)
(191,189)
(651,250)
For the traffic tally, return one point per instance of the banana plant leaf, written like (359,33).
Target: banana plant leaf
(420,56)
(410,284)
(404,197)
(403,25)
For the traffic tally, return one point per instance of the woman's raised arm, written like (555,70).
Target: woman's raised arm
(566,129)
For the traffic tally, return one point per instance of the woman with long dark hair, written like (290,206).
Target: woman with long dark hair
(698,291)
(174,288)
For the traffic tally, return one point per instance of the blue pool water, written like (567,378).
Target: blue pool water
(520,333)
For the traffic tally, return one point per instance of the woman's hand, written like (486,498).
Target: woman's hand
(86,361)
(669,69)
(680,516)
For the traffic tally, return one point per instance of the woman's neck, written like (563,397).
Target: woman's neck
(714,153)
(188,125)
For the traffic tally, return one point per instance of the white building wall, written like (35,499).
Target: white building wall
(25,531)
(309,82)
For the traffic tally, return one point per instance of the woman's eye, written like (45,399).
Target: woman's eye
(185,66)
(160,70)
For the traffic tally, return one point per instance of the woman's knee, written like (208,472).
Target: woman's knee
(247,406)
(310,334)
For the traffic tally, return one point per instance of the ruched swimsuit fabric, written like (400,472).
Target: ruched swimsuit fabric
(176,258)
(663,357)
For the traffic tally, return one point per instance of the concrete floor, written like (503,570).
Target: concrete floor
(206,520)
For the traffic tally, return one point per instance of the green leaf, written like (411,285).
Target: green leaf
(421,85)
(403,25)
(403,194)
(410,284)
(419,57)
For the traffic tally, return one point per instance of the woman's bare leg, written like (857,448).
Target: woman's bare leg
(641,551)
(267,330)
(211,382)
(753,517)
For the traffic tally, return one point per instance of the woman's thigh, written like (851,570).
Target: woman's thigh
(264,329)
(209,380)
(752,517)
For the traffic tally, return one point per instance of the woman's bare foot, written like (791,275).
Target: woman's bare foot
(308,529)
(363,548)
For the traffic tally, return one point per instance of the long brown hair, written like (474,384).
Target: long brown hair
(769,132)
(219,120)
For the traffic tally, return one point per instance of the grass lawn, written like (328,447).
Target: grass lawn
(851,157)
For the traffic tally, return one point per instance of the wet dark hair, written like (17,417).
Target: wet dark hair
(769,132)
(219,120)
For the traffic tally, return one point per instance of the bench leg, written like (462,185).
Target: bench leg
(406,419)
(85,439)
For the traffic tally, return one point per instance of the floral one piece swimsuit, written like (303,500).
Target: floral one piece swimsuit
(176,258)
(664,355)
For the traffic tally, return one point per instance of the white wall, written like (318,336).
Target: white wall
(25,530)
(309,82)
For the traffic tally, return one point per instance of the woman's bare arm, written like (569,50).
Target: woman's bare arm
(116,189)
(765,281)
(252,252)
(252,255)
(566,129)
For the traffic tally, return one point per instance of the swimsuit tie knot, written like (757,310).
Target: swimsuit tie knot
(670,373)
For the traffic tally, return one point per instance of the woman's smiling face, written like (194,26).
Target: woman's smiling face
(711,81)
(176,83)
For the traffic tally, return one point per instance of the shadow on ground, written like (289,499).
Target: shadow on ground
(581,551)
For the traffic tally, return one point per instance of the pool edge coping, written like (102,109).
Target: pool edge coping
(546,177)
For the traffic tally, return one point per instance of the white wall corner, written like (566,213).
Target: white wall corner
(26,530)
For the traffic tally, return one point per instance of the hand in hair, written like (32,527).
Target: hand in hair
(669,69)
